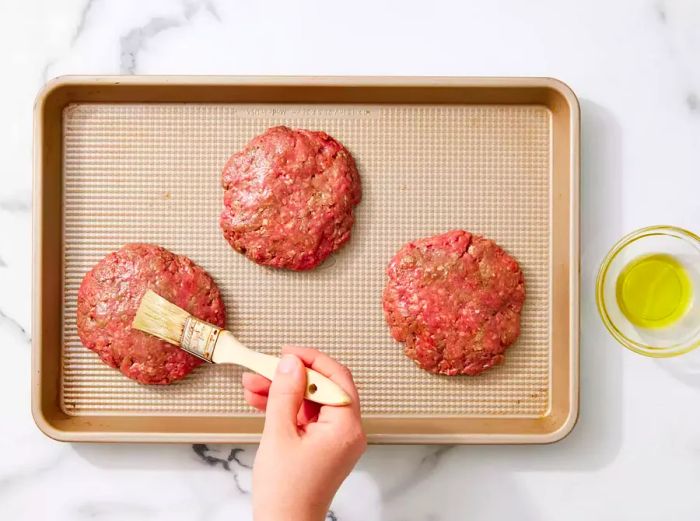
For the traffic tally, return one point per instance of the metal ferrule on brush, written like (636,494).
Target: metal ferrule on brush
(199,338)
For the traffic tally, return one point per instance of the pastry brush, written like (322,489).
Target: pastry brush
(158,317)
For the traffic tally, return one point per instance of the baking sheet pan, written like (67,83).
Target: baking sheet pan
(138,159)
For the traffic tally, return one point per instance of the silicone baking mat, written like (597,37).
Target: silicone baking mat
(151,173)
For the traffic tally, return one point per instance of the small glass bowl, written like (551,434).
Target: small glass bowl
(676,339)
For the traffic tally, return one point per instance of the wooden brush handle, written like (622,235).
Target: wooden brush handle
(319,388)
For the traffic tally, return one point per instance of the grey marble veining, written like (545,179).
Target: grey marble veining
(135,39)
(231,462)
(11,322)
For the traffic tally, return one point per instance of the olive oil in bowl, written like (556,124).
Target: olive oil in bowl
(645,291)
(654,291)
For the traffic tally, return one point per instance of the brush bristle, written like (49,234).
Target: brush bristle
(158,317)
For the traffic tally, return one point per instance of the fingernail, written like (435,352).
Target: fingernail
(287,364)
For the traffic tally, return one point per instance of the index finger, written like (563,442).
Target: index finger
(330,368)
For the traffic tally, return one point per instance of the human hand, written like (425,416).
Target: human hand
(307,450)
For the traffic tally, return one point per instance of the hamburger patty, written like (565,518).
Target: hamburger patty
(110,294)
(289,198)
(454,300)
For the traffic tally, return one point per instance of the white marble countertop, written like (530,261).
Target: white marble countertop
(635,453)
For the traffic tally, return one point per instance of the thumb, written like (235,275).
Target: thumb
(286,395)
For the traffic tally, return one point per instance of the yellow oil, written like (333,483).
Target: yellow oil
(654,291)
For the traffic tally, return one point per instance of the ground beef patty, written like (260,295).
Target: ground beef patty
(289,198)
(455,301)
(111,293)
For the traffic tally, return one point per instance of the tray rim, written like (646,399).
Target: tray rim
(60,429)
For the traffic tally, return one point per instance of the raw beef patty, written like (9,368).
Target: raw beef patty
(111,293)
(289,198)
(454,300)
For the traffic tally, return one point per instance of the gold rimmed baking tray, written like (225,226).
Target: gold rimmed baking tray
(138,159)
